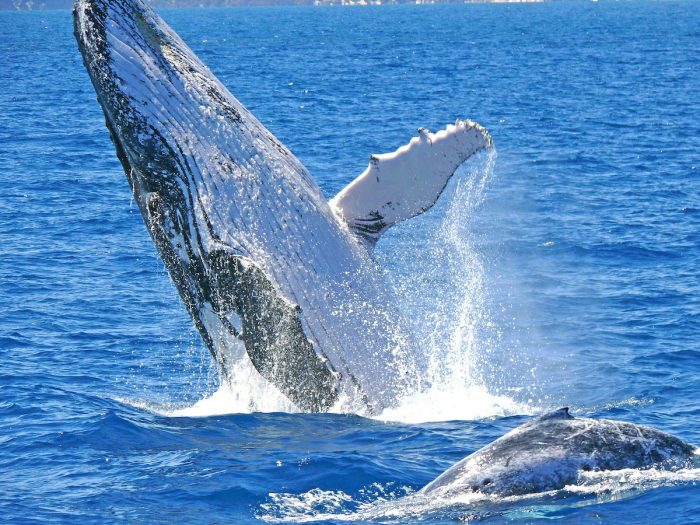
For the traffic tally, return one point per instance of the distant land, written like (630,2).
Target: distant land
(29,5)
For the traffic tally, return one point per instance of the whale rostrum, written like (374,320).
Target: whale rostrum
(271,273)
(551,451)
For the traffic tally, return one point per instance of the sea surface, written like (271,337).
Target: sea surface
(562,271)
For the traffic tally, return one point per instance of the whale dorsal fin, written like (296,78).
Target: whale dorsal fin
(561,413)
(400,185)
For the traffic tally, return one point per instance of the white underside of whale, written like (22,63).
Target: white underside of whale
(248,196)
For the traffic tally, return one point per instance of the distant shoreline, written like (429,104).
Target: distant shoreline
(48,5)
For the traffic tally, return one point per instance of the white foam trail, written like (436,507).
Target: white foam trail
(334,505)
(621,483)
(313,505)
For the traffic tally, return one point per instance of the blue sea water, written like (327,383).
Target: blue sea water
(574,280)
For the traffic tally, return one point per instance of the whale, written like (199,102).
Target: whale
(275,277)
(552,451)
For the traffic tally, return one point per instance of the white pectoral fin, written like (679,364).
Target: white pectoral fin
(400,185)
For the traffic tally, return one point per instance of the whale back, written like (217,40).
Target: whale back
(549,452)
(266,270)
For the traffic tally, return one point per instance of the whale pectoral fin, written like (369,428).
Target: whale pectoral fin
(400,185)
(272,332)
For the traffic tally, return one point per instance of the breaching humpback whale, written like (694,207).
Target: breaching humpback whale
(267,268)
(550,452)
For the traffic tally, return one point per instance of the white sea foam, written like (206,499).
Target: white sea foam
(454,402)
(620,483)
(313,505)
(225,401)
(438,404)
(244,392)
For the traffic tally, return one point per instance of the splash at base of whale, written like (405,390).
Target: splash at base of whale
(272,274)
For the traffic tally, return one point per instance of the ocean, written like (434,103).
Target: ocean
(563,270)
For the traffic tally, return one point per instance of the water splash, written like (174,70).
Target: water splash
(612,485)
(247,392)
(454,402)
(439,278)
